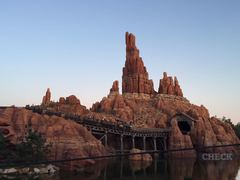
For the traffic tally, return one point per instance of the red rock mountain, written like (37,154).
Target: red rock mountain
(138,103)
(135,76)
(159,110)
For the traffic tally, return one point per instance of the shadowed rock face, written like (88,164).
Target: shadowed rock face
(135,76)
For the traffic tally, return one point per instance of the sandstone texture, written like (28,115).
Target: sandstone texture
(168,86)
(135,76)
(158,112)
(115,88)
(69,139)
(139,105)
(47,98)
(70,104)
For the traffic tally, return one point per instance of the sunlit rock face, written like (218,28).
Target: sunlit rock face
(69,139)
(47,98)
(169,86)
(140,104)
(70,104)
(135,76)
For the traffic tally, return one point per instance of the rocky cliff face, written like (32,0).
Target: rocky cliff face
(69,139)
(135,76)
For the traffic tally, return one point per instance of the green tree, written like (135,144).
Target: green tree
(32,148)
(3,145)
(237,129)
(6,148)
(224,119)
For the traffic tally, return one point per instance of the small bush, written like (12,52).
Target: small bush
(32,148)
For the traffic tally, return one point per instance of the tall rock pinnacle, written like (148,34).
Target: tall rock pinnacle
(47,98)
(114,88)
(135,76)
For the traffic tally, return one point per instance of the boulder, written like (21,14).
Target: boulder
(36,170)
(139,157)
(10,171)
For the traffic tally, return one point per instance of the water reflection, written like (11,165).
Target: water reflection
(177,169)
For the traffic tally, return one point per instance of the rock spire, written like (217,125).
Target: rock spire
(47,98)
(115,88)
(135,76)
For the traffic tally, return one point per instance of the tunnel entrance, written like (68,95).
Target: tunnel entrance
(184,122)
(184,127)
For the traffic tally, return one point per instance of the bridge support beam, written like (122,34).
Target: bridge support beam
(155,143)
(165,144)
(105,139)
(133,142)
(121,143)
(144,143)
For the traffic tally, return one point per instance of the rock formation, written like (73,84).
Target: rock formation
(70,104)
(139,157)
(47,98)
(139,104)
(168,86)
(115,88)
(177,88)
(135,76)
(68,139)
(72,100)
(158,110)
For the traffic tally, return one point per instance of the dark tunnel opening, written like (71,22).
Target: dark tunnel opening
(184,127)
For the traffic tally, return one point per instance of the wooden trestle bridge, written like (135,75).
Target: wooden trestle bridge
(124,136)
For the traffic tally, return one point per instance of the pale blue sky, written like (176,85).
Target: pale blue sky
(77,47)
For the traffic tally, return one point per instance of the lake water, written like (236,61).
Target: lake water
(177,169)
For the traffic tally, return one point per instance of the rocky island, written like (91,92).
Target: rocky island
(139,106)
